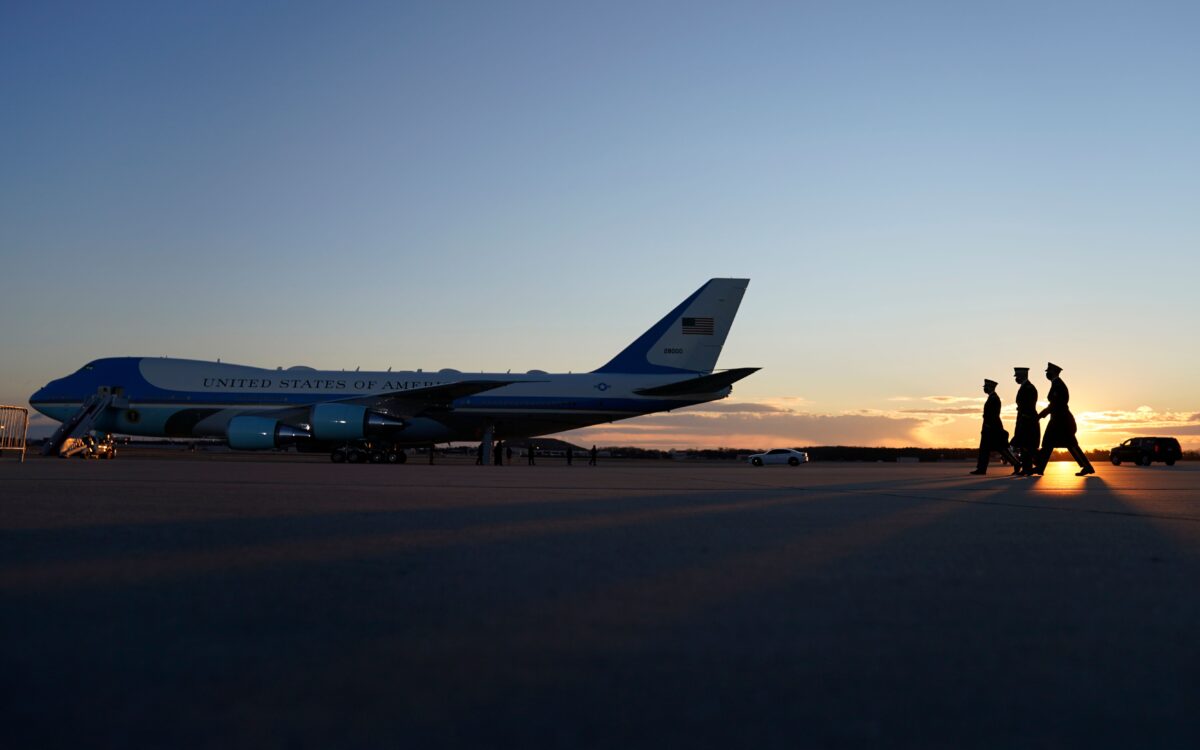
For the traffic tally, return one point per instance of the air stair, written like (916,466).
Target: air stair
(74,435)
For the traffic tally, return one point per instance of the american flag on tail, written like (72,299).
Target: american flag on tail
(697,326)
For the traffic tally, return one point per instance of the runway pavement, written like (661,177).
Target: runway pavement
(267,603)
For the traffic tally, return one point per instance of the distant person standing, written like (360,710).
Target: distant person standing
(532,454)
(1028,432)
(592,456)
(1060,433)
(993,436)
(498,453)
(569,456)
(431,447)
(479,455)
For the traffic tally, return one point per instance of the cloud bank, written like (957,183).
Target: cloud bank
(948,422)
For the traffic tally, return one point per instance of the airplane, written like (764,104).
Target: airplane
(373,416)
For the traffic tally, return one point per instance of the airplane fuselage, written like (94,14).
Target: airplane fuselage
(191,398)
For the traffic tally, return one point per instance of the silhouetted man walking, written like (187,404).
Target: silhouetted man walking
(1028,432)
(532,454)
(993,436)
(1060,433)
(592,456)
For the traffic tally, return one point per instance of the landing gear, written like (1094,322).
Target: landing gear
(348,454)
(361,453)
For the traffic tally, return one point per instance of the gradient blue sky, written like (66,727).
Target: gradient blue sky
(923,194)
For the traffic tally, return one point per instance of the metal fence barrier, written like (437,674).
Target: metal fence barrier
(14,427)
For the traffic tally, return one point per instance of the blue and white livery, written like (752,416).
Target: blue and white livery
(669,366)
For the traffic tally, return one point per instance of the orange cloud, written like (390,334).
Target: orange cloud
(739,426)
(947,423)
(1115,426)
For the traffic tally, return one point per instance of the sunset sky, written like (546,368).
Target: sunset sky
(922,194)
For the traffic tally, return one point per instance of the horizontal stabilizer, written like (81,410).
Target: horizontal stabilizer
(702,384)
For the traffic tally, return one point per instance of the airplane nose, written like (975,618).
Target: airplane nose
(49,392)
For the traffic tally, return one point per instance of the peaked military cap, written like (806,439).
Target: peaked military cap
(1020,370)
(992,383)
(1052,366)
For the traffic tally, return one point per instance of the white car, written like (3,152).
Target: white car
(779,456)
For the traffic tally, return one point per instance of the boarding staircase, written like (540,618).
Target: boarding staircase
(70,438)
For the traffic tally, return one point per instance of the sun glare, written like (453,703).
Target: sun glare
(1060,475)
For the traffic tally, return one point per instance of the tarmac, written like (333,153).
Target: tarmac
(271,603)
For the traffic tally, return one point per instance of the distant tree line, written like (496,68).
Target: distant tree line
(815,452)
(843,453)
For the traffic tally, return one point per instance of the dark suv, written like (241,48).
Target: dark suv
(1145,451)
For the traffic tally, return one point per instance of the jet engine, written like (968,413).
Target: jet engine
(336,422)
(261,433)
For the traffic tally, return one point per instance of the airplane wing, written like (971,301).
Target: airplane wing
(699,384)
(416,400)
(408,403)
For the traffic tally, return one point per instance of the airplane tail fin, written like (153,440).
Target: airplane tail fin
(689,338)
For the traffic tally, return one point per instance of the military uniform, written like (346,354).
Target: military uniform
(993,436)
(1028,431)
(1060,432)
